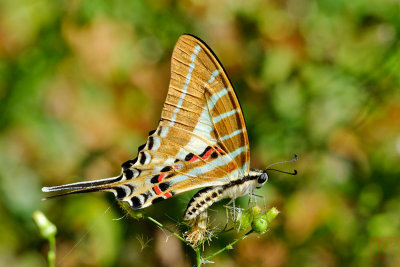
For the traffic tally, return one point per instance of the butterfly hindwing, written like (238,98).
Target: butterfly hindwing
(201,139)
(165,175)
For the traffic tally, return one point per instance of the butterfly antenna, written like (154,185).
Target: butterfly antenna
(286,161)
(291,173)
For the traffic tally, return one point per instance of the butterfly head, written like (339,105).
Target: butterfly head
(260,177)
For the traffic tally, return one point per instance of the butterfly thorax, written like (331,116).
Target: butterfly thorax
(204,198)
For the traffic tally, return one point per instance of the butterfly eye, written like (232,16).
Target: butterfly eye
(262,178)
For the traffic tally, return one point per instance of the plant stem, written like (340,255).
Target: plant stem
(229,246)
(48,231)
(51,255)
(198,257)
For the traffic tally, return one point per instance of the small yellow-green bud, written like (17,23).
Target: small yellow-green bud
(244,221)
(46,228)
(272,213)
(256,210)
(260,223)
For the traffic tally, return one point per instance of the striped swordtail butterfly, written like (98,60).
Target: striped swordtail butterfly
(200,142)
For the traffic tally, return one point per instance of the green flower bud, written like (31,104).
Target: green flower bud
(256,210)
(244,220)
(272,213)
(46,228)
(260,223)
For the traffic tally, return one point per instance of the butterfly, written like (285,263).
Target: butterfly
(201,141)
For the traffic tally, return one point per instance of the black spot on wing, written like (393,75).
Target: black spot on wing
(150,143)
(132,173)
(142,158)
(152,132)
(164,186)
(170,175)
(154,180)
(128,163)
(158,199)
(205,151)
(189,156)
(140,148)
(166,169)
(214,155)
(136,203)
(128,174)
(121,193)
(219,150)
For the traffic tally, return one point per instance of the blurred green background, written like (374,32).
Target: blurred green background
(83,82)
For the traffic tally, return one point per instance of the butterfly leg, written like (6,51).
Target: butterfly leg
(230,201)
(253,198)
(255,195)
(227,219)
(250,199)
(250,202)
(235,210)
(228,207)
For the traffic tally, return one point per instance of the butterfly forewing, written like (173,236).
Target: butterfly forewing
(201,99)
(201,139)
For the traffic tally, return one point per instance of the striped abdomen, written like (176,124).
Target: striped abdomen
(209,195)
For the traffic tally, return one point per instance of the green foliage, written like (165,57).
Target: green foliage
(82,83)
